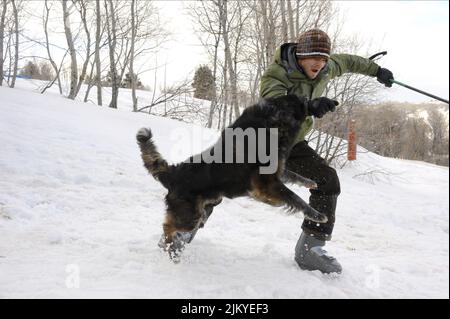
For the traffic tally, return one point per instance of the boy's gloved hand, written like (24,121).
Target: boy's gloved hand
(385,76)
(320,106)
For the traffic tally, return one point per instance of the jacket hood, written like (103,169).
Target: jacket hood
(285,57)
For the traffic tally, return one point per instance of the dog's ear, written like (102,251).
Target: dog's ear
(267,108)
(300,111)
(298,105)
(292,99)
(285,101)
(284,107)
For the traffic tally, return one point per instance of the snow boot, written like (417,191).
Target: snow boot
(309,255)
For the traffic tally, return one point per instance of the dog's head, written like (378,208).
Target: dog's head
(287,108)
(294,105)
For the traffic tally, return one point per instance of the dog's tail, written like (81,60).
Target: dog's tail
(153,161)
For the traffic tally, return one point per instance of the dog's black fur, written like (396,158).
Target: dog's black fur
(193,186)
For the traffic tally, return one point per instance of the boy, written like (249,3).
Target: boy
(304,69)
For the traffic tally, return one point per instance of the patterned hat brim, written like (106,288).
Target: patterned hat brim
(312,54)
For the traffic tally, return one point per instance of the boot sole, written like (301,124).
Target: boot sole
(304,267)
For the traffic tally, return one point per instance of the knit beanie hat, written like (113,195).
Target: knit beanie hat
(313,42)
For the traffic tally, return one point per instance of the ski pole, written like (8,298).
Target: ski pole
(382,53)
(377,55)
(420,91)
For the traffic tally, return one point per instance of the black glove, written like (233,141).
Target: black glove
(385,76)
(320,106)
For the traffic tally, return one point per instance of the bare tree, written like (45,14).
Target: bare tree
(112,42)
(47,45)
(209,19)
(176,102)
(46,72)
(146,35)
(132,53)
(222,29)
(290,15)
(237,25)
(72,51)
(169,94)
(225,93)
(98,26)
(2,36)
(82,9)
(50,84)
(231,70)
(415,143)
(440,138)
(284,25)
(16,43)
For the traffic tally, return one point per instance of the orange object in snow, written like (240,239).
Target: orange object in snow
(351,153)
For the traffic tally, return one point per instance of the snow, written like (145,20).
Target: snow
(124,101)
(81,217)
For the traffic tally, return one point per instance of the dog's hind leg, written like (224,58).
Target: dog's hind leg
(292,177)
(272,191)
(296,203)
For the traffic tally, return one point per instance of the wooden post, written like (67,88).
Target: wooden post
(351,153)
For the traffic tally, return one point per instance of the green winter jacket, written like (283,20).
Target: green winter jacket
(284,76)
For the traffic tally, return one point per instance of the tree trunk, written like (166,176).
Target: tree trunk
(11,60)
(98,77)
(2,35)
(214,97)
(90,84)
(16,45)
(225,95)
(47,46)
(88,46)
(237,50)
(229,62)
(284,26)
(72,51)
(265,41)
(112,40)
(271,45)
(133,37)
(290,14)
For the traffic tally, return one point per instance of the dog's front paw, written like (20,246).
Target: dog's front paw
(143,135)
(162,243)
(173,248)
(175,255)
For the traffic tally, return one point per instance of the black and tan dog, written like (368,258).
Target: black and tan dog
(194,186)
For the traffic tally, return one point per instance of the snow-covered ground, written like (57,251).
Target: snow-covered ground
(80,217)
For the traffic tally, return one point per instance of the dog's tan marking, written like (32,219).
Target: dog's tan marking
(169,228)
(261,192)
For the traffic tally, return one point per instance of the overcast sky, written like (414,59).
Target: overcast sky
(415,34)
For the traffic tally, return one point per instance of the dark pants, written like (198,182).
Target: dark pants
(305,161)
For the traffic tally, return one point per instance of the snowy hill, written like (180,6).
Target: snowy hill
(80,217)
(174,108)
